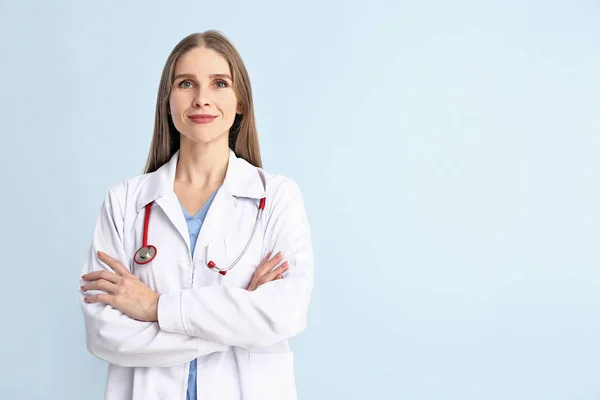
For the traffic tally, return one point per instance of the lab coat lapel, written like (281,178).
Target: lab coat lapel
(172,208)
(218,217)
(241,180)
(158,188)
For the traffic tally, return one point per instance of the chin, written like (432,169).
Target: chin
(204,136)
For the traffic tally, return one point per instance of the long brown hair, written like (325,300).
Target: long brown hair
(243,137)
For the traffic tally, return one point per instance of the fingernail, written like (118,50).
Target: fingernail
(99,253)
(279,255)
(82,287)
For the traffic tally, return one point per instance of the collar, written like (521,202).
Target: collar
(241,180)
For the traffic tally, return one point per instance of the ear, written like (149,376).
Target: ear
(239,109)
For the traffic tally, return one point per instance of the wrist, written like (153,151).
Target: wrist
(154,308)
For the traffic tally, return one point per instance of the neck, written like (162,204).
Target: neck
(201,165)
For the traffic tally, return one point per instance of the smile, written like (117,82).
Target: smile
(202,119)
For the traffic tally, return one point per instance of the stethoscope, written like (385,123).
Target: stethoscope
(147,252)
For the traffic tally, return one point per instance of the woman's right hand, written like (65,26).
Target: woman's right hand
(266,271)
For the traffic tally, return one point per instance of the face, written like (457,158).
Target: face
(203,103)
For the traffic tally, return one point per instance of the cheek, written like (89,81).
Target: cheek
(177,108)
(172,106)
(228,105)
(175,104)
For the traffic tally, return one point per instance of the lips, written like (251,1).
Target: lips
(202,119)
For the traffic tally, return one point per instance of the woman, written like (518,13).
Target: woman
(174,309)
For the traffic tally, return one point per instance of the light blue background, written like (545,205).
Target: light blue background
(447,152)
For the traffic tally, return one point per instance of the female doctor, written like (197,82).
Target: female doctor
(201,269)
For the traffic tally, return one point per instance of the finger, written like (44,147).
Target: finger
(277,271)
(106,275)
(100,284)
(253,284)
(113,263)
(266,258)
(100,298)
(267,266)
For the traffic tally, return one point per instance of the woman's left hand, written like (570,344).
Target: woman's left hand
(123,290)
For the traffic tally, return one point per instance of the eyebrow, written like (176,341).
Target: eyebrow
(212,76)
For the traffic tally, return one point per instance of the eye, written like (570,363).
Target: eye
(185,84)
(221,84)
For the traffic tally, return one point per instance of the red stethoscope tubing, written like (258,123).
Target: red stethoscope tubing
(145,254)
(146,223)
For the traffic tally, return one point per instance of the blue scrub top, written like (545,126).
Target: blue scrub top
(194,225)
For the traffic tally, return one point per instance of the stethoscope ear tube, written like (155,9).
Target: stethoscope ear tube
(223,271)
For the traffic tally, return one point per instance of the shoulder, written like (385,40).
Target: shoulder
(282,192)
(277,186)
(286,217)
(129,186)
(124,193)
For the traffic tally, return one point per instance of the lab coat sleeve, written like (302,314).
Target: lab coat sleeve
(276,310)
(114,336)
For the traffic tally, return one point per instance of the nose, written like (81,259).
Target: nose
(202,98)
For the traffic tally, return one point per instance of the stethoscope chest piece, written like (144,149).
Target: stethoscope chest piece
(145,254)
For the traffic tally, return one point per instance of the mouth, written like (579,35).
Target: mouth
(202,119)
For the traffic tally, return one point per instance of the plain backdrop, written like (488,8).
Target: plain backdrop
(447,152)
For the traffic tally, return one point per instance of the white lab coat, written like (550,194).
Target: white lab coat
(239,337)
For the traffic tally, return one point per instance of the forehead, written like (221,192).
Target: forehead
(202,62)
